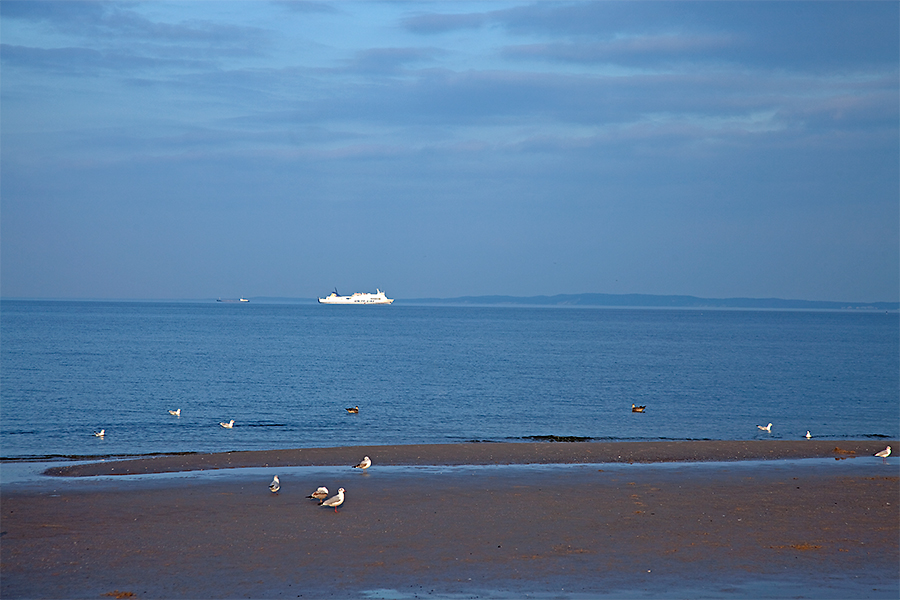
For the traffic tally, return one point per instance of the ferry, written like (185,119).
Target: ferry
(358,298)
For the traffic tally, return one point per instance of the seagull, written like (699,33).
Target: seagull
(353,410)
(334,501)
(175,413)
(100,433)
(319,494)
(228,425)
(637,408)
(884,454)
(364,464)
(275,485)
(766,428)
(808,435)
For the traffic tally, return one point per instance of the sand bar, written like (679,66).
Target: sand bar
(627,528)
(489,454)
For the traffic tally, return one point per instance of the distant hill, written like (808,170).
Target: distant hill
(651,301)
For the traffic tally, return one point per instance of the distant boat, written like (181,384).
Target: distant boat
(358,298)
(232,300)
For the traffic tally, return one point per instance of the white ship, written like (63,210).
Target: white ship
(358,298)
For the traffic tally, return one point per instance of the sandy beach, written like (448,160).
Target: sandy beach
(543,520)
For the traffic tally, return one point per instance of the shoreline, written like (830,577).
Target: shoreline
(486,453)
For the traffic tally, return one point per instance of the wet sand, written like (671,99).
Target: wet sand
(632,527)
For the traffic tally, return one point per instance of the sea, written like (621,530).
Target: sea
(286,373)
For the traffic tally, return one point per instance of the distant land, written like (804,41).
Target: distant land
(633,301)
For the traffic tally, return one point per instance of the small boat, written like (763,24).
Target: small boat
(353,410)
(637,408)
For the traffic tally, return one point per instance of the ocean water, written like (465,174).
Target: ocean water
(431,374)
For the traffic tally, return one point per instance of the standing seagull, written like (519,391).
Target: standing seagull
(228,425)
(102,432)
(275,485)
(319,494)
(334,501)
(807,435)
(364,464)
(884,454)
(766,428)
(175,413)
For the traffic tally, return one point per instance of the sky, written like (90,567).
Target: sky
(189,150)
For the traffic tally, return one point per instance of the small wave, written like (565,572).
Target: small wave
(80,457)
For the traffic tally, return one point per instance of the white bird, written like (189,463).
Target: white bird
(228,425)
(884,454)
(319,494)
(364,464)
(334,501)
(275,485)
(175,413)
(808,435)
(100,433)
(766,428)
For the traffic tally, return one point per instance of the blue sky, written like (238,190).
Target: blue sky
(437,149)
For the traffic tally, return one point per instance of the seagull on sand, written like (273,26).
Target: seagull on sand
(228,425)
(275,485)
(637,408)
(175,413)
(766,428)
(319,494)
(884,454)
(334,501)
(100,433)
(364,464)
(353,410)
(808,435)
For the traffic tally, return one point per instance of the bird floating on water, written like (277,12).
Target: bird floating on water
(365,463)
(228,425)
(319,494)
(766,428)
(334,501)
(353,410)
(884,454)
(637,408)
(175,413)
(808,435)
(275,485)
(100,433)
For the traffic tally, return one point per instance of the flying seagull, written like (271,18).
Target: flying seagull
(766,428)
(334,501)
(884,454)
(319,494)
(100,433)
(275,485)
(353,410)
(228,425)
(364,464)
(637,408)
(176,413)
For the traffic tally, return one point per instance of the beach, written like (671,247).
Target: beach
(808,518)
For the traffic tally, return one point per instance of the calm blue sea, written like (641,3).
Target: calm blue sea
(429,374)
